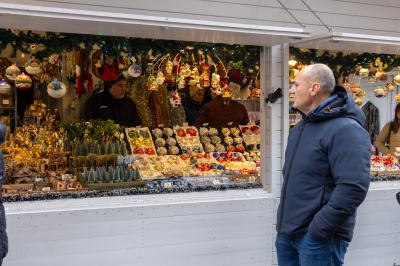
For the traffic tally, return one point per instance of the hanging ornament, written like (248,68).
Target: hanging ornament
(5,87)
(364,72)
(33,66)
(215,80)
(390,87)
(168,67)
(396,79)
(160,78)
(371,80)
(380,74)
(54,58)
(181,82)
(135,70)
(56,89)
(226,91)
(23,82)
(185,71)
(355,88)
(194,76)
(380,92)
(358,101)
(12,72)
(175,99)
(152,84)
(205,75)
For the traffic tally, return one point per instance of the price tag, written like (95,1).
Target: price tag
(6,102)
(168,185)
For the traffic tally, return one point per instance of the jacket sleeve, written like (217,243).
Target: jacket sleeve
(202,118)
(89,110)
(382,138)
(349,158)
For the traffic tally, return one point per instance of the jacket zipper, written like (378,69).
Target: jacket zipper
(283,196)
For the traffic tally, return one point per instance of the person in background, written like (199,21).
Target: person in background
(3,233)
(220,112)
(326,173)
(195,98)
(389,137)
(113,103)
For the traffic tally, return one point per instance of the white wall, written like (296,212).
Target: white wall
(209,228)
(229,228)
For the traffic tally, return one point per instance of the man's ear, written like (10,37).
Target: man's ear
(315,89)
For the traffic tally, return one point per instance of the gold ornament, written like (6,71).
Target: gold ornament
(364,72)
(152,84)
(160,78)
(380,74)
(205,75)
(355,88)
(169,67)
(396,79)
(226,92)
(380,92)
(358,101)
(389,86)
(372,80)
(398,98)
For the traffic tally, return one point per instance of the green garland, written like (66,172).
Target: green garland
(241,57)
(344,64)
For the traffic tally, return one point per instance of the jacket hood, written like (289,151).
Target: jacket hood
(338,105)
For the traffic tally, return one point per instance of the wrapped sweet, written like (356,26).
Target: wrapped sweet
(160,142)
(213,131)
(209,148)
(205,140)
(162,151)
(215,140)
(203,131)
(238,140)
(228,140)
(197,149)
(168,132)
(220,148)
(235,131)
(171,142)
(240,148)
(157,132)
(173,150)
(226,131)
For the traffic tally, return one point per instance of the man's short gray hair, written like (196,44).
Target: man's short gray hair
(322,74)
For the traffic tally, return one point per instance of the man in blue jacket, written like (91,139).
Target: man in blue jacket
(326,173)
(3,234)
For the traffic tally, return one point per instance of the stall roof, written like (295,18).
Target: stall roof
(110,20)
(353,42)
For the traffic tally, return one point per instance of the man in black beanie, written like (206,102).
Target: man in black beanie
(113,103)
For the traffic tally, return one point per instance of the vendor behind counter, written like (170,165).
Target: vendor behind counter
(219,112)
(113,103)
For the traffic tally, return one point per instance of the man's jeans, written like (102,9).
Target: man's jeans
(302,250)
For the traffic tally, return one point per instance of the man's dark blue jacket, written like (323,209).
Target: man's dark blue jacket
(326,172)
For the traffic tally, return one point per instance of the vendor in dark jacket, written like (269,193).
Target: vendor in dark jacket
(113,103)
(326,173)
(219,112)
